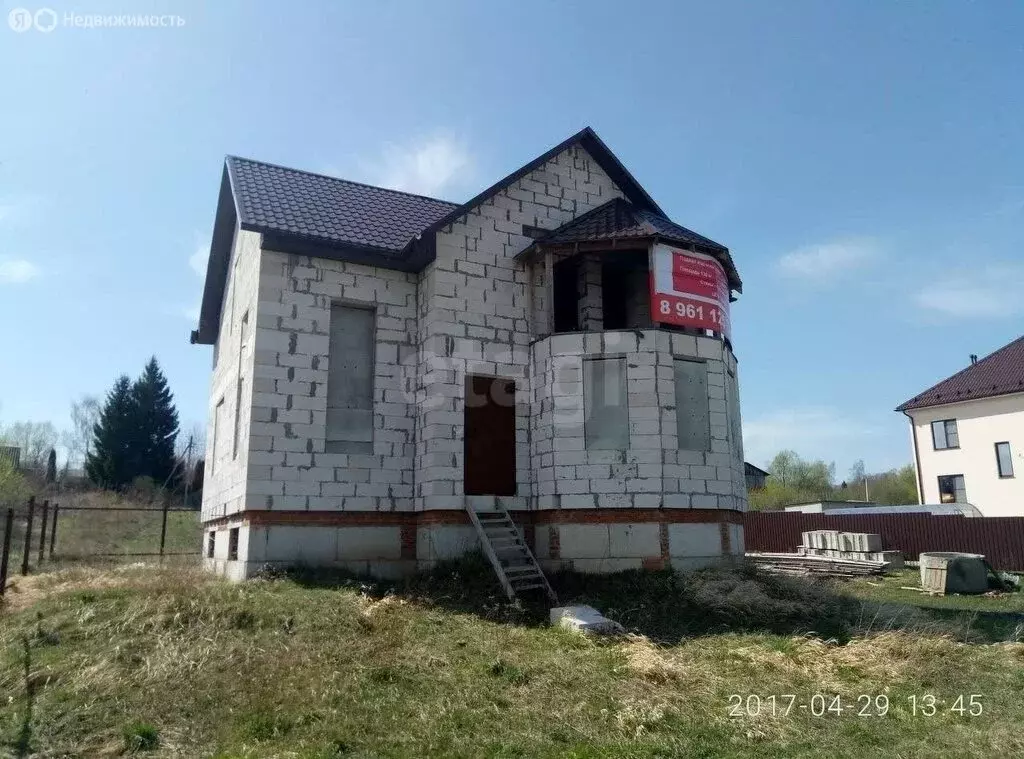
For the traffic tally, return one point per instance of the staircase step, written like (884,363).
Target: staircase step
(530,587)
(508,552)
(520,570)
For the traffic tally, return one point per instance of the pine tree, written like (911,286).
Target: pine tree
(109,463)
(156,425)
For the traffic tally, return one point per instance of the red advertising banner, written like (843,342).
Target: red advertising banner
(689,290)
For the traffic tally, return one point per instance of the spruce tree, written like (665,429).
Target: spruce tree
(109,463)
(156,425)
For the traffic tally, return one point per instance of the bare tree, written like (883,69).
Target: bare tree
(85,412)
(35,439)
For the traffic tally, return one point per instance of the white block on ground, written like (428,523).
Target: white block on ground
(585,619)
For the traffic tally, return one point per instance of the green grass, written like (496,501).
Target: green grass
(180,665)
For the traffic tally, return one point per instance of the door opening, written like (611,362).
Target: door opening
(489,443)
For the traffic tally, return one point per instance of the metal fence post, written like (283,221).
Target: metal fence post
(6,555)
(163,529)
(28,535)
(42,531)
(53,529)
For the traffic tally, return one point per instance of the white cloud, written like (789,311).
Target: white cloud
(15,271)
(427,166)
(814,433)
(989,292)
(198,259)
(824,263)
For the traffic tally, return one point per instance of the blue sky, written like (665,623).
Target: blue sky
(863,161)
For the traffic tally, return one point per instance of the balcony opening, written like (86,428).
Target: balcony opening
(601,291)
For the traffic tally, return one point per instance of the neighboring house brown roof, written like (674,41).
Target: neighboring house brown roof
(618,219)
(310,214)
(999,373)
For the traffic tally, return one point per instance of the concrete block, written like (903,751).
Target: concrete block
(584,541)
(694,539)
(585,619)
(439,542)
(634,540)
(357,543)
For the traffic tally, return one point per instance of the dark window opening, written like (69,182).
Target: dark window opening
(1004,461)
(952,489)
(566,295)
(233,544)
(211,542)
(626,290)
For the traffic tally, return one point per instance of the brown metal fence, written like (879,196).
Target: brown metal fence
(1000,539)
(40,533)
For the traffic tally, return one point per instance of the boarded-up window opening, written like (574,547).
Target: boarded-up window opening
(606,420)
(239,385)
(218,434)
(233,544)
(211,543)
(350,380)
(692,412)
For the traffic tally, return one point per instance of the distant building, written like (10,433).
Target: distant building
(10,454)
(967,434)
(755,476)
(837,508)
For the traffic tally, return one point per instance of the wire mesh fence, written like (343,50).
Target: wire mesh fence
(40,534)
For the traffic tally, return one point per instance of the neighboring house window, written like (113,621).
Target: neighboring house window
(242,346)
(1004,461)
(952,489)
(693,418)
(350,381)
(606,410)
(944,434)
(218,433)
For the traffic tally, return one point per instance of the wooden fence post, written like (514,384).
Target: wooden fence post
(42,531)
(28,535)
(6,555)
(53,529)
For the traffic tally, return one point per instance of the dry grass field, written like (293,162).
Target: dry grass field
(171,663)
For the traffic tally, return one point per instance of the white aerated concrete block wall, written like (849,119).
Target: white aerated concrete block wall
(474,310)
(288,467)
(653,472)
(225,473)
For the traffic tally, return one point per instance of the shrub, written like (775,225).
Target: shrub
(140,736)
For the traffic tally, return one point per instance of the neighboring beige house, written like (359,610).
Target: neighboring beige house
(968,435)
(398,379)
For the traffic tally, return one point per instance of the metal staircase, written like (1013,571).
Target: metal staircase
(508,553)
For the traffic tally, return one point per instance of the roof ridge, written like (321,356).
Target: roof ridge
(341,179)
(969,368)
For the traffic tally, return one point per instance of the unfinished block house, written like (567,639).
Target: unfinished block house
(543,372)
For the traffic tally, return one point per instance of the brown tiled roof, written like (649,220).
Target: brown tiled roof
(618,219)
(999,373)
(274,199)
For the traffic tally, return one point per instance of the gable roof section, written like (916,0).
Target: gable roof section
(618,219)
(275,200)
(311,214)
(587,138)
(999,373)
